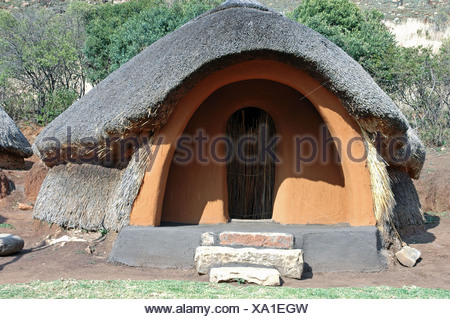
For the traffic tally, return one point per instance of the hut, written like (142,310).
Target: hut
(150,145)
(14,147)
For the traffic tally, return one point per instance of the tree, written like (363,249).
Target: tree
(102,21)
(421,88)
(359,33)
(41,59)
(415,78)
(150,25)
(116,33)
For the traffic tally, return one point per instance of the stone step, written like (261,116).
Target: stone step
(289,262)
(254,275)
(266,240)
(249,239)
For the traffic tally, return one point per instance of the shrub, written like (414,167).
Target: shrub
(415,78)
(421,88)
(359,33)
(59,101)
(102,21)
(40,56)
(116,33)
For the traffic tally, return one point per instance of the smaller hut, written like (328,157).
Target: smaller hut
(14,147)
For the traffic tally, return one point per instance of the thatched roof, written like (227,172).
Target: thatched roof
(140,95)
(12,140)
(407,211)
(70,195)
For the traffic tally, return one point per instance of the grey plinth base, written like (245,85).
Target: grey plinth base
(326,248)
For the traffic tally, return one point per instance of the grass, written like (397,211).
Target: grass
(441,214)
(165,289)
(7,226)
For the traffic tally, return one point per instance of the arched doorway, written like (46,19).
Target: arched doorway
(199,191)
(251,171)
(200,195)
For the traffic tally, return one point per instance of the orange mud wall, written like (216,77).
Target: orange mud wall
(320,193)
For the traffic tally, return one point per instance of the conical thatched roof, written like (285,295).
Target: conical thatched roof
(141,94)
(12,140)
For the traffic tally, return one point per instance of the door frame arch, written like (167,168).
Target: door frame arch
(147,207)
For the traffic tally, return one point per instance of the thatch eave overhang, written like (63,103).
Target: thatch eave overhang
(12,140)
(140,96)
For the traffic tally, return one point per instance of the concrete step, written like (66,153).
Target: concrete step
(254,275)
(325,247)
(249,239)
(289,262)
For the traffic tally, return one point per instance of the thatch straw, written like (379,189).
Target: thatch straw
(12,140)
(128,189)
(382,195)
(395,199)
(90,197)
(77,196)
(407,215)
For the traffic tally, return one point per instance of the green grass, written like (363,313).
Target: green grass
(441,214)
(7,226)
(165,289)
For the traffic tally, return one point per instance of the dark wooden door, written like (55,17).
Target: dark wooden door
(251,172)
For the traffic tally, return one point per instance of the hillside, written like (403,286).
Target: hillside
(421,9)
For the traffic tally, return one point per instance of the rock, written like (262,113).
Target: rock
(289,262)
(64,239)
(22,206)
(34,179)
(10,244)
(89,250)
(408,256)
(4,185)
(267,240)
(254,275)
(209,239)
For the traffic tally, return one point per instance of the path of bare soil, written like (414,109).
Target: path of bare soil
(88,260)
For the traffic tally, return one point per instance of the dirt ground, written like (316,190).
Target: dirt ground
(40,260)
